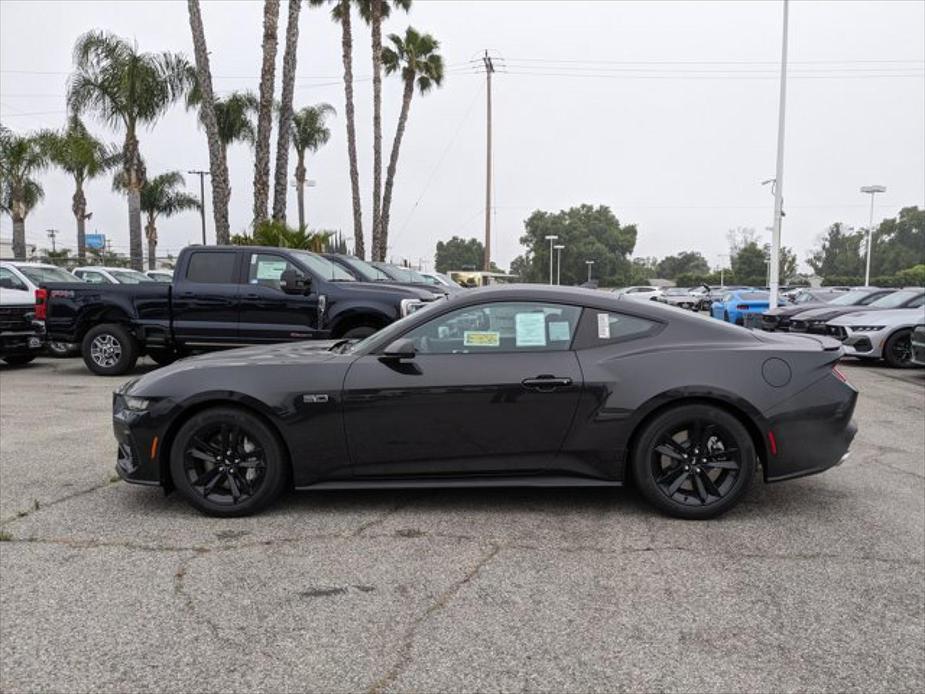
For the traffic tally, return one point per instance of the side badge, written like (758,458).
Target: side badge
(315,398)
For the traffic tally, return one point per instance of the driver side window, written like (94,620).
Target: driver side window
(498,327)
(265,270)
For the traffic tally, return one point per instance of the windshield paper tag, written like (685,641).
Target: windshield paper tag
(603,326)
(530,329)
(481,338)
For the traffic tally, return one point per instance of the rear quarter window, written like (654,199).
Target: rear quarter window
(211,267)
(598,327)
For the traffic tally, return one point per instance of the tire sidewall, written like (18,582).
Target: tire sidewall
(642,470)
(277,473)
(127,344)
(888,349)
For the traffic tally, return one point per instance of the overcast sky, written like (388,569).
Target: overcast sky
(665,112)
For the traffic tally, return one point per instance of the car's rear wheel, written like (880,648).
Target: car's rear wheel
(227,462)
(897,351)
(694,461)
(109,350)
(19,359)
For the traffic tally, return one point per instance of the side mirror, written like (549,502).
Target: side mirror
(293,282)
(401,350)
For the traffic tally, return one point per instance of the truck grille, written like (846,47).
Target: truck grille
(16,318)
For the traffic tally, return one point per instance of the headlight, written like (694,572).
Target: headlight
(136,404)
(867,328)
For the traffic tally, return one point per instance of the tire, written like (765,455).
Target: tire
(19,359)
(897,350)
(726,316)
(60,350)
(359,332)
(196,455)
(163,357)
(688,487)
(109,350)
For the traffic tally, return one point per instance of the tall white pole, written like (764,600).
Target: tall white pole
(779,175)
(551,238)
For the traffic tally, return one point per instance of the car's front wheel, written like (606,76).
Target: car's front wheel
(694,461)
(897,351)
(227,462)
(109,350)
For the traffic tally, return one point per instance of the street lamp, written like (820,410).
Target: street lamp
(872,191)
(551,238)
(589,263)
(559,263)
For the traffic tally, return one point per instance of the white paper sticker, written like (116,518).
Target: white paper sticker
(559,331)
(270,269)
(603,326)
(530,329)
(481,338)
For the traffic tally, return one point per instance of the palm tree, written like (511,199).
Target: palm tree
(416,59)
(285,112)
(341,14)
(126,88)
(218,162)
(75,151)
(265,111)
(21,157)
(374,11)
(309,133)
(232,117)
(161,197)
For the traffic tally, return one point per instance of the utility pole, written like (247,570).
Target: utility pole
(589,263)
(779,175)
(202,200)
(559,248)
(551,238)
(872,191)
(489,68)
(52,233)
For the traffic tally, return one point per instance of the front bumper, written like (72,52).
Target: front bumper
(18,343)
(138,436)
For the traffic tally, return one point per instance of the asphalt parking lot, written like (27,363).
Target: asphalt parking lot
(814,584)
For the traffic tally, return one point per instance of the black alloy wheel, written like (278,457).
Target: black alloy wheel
(227,462)
(694,461)
(897,351)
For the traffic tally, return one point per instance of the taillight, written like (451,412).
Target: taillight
(839,375)
(772,443)
(743,307)
(41,305)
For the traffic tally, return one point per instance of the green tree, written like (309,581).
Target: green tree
(126,88)
(414,57)
(309,133)
(588,233)
(21,158)
(276,233)
(839,253)
(749,263)
(691,262)
(78,153)
(162,196)
(459,254)
(899,243)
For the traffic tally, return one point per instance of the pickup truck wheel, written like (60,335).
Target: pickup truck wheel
(359,332)
(19,359)
(109,350)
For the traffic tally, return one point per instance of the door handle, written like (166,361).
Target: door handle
(546,383)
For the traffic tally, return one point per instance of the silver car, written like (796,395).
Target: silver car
(883,334)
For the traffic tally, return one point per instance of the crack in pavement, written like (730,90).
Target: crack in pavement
(407,641)
(54,502)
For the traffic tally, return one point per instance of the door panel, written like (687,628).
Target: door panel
(205,300)
(456,414)
(268,314)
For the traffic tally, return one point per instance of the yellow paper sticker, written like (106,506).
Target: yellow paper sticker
(481,338)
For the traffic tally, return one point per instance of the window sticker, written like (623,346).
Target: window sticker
(530,329)
(603,326)
(559,331)
(481,338)
(270,269)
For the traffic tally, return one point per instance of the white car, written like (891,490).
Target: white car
(883,334)
(165,276)
(20,279)
(643,293)
(98,274)
(681,297)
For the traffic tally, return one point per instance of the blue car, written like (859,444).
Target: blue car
(735,306)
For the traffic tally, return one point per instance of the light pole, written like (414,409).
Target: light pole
(559,248)
(872,191)
(202,199)
(551,238)
(589,263)
(779,175)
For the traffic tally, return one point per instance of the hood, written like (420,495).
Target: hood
(893,317)
(16,297)
(793,309)
(387,289)
(302,353)
(829,312)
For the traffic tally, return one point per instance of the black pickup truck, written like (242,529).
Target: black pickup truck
(220,297)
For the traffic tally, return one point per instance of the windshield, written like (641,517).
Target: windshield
(402,274)
(894,300)
(849,299)
(41,274)
(129,276)
(323,267)
(368,272)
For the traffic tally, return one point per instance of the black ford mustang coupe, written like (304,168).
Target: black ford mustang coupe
(516,385)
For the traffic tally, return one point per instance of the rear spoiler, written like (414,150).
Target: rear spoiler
(828,344)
